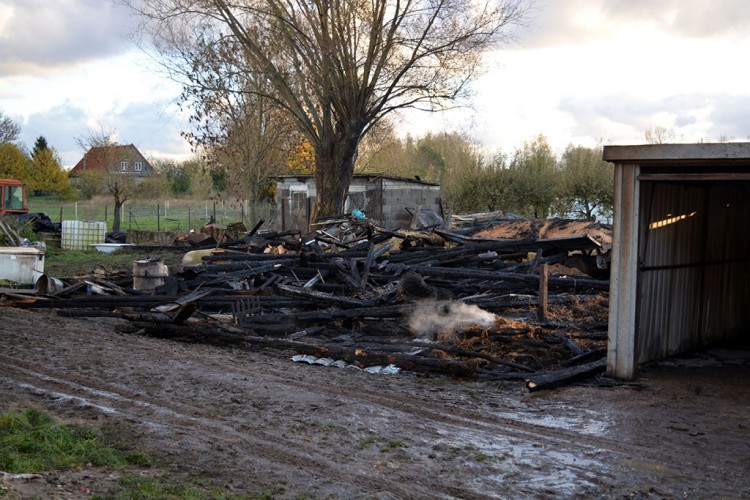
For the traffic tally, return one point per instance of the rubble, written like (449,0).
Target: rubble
(430,301)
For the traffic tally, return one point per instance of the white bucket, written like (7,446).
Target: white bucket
(148,274)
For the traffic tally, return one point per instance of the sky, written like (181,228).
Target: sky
(582,72)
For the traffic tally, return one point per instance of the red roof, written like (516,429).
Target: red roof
(96,159)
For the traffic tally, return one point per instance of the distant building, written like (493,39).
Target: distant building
(387,199)
(123,159)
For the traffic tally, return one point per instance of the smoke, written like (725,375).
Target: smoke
(440,319)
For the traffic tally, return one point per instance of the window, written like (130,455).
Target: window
(13,198)
(297,201)
(124,166)
(138,166)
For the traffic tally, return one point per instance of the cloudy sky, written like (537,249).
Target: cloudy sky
(583,72)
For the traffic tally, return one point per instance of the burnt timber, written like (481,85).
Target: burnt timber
(344,301)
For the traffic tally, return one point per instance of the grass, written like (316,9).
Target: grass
(135,487)
(68,263)
(392,445)
(32,442)
(147,215)
(139,487)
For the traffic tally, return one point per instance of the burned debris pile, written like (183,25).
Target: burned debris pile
(354,294)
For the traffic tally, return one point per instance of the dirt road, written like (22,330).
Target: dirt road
(250,422)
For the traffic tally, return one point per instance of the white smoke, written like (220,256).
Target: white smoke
(439,318)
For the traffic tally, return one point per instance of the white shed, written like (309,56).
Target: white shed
(681,252)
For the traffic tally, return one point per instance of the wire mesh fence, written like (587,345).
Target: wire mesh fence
(159,215)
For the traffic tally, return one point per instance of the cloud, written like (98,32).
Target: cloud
(691,18)
(624,118)
(60,125)
(568,22)
(40,36)
(153,127)
(731,118)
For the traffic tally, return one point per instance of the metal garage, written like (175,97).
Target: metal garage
(681,258)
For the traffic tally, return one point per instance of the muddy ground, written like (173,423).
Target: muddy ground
(255,422)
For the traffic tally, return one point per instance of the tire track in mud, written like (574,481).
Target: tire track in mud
(426,412)
(423,409)
(59,386)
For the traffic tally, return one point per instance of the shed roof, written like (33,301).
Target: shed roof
(365,176)
(732,152)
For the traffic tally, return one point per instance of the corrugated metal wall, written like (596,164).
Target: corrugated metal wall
(693,273)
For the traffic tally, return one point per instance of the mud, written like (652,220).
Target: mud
(254,422)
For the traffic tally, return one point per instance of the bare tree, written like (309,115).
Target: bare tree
(235,125)
(337,67)
(9,130)
(660,135)
(104,157)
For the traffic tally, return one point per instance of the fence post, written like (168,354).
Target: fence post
(61,208)
(190,226)
(158,218)
(105,212)
(542,309)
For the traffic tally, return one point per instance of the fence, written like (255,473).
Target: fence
(162,215)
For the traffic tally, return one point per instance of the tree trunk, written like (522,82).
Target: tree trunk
(117,215)
(334,167)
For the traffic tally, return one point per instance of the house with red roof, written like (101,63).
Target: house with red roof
(120,159)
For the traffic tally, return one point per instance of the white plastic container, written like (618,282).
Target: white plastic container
(22,265)
(82,234)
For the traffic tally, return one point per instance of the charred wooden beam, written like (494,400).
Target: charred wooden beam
(550,379)
(225,335)
(320,297)
(586,356)
(577,350)
(556,281)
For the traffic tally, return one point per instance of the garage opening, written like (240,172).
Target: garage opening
(681,256)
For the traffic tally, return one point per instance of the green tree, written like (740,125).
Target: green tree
(45,174)
(588,182)
(39,145)
(485,189)
(177,177)
(533,174)
(445,158)
(338,67)
(13,161)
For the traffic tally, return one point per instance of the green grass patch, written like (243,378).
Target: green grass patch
(32,442)
(67,263)
(365,443)
(145,215)
(136,487)
(143,487)
(392,445)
